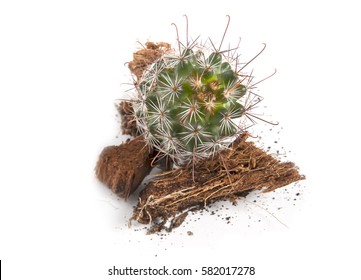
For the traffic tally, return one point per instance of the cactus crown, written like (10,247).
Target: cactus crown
(188,104)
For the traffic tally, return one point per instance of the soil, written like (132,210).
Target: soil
(231,174)
(146,56)
(124,167)
(128,125)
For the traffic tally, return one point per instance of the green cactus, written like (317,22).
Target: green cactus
(188,104)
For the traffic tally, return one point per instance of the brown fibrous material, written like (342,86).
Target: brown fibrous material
(128,124)
(230,174)
(124,167)
(146,56)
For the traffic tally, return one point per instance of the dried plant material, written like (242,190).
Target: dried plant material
(124,167)
(146,56)
(230,174)
(128,125)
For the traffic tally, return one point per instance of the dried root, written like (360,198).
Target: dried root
(230,174)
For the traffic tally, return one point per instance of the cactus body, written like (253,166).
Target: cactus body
(188,104)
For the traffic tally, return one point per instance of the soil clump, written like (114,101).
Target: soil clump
(231,174)
(124,167)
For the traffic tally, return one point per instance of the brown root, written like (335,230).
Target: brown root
(230,174)
(124,167)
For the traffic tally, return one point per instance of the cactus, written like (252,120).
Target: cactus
(189,102)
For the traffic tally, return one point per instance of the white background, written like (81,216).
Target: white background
(61,65)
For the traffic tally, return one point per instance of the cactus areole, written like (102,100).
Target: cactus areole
(189,103)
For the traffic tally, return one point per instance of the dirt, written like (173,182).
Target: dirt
(124,167)
(128,125)
(146,56)
(231,174)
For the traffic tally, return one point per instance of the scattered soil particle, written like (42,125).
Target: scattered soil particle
(177,221)
(124,167)
(230,174)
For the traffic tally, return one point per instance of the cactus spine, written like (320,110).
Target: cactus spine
(188,103)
